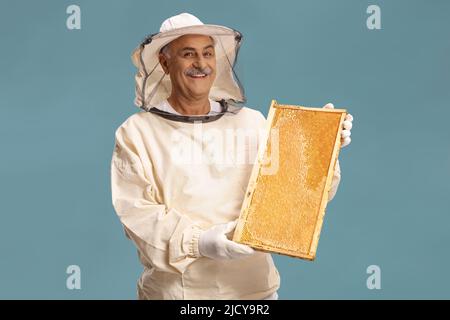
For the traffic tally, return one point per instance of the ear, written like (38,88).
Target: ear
(164,63)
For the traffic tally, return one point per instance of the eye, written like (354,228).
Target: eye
(208,54)
(188,54)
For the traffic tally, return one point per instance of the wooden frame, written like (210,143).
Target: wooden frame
(269,231)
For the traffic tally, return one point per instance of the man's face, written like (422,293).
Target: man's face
(191,65)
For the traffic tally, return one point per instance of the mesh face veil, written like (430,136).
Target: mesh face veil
(153,85)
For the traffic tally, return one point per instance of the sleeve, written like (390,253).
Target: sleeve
(335,181)
(164,237)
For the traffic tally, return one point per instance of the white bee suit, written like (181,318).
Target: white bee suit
(163,203)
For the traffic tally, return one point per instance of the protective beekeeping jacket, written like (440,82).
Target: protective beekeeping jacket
(168,184)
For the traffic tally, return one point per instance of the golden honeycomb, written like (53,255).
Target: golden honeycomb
(284,207)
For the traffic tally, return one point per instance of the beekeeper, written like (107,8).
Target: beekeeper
(176,198)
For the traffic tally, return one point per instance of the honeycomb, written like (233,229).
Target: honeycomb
(284,208)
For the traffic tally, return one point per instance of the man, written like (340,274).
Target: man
(177,200)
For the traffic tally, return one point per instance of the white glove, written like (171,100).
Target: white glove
(214,244)
(346,127)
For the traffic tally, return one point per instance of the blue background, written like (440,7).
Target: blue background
(64,92)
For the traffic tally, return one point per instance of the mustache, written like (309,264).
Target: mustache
(198,71)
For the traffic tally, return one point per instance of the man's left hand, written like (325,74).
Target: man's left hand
(346,127)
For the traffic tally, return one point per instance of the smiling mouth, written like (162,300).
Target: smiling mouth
(198,76)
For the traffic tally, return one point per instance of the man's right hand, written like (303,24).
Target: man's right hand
(214,244)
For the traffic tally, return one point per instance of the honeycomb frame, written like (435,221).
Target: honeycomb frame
(265,231)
